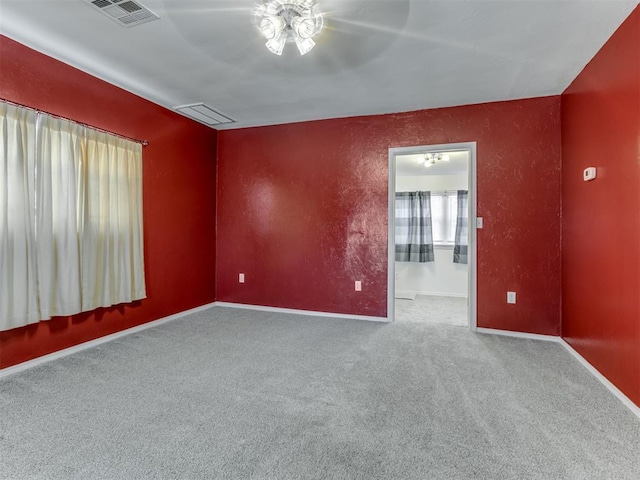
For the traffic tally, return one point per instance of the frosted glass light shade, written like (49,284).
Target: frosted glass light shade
(276,45)
(303,27)
(272,26)
(304,45)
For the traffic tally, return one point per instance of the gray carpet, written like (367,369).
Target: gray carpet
(434,310)
(235,394)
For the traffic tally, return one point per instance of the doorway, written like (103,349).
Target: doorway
(443,171)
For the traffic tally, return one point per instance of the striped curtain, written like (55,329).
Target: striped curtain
(461,246)
(413,231)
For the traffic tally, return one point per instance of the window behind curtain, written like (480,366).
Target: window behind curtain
(70,218)
(443,213)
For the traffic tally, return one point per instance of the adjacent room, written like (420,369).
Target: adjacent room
(431,212)
(329,239)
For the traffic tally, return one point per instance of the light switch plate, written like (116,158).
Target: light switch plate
(479,222)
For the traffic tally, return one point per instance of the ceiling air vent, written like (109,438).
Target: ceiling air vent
(204,114)
(126,13)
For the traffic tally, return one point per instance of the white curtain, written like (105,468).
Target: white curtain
(112,255)
(71,235)
(59,172)
(18,285)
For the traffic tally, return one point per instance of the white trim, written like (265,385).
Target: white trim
(473,235)
(98,341)
(294,311)
(528,336)
(635,409)
(391,232)
(432,294)
(473,251)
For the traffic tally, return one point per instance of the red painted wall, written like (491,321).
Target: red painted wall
(179,197)
(302,210)
(601,218)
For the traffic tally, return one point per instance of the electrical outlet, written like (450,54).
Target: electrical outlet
(511,297)
(358,285)
(241,278)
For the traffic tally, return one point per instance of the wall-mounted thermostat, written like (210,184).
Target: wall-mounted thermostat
(589,173)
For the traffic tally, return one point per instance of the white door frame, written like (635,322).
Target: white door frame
(472,253)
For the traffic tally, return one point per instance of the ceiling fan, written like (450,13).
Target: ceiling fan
(282,20)
(347,33)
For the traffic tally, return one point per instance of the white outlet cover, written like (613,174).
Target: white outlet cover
(589,174)
(241,277)
(511,297)
(358,285)
(479,222)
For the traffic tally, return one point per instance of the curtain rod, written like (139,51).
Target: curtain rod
(144,143)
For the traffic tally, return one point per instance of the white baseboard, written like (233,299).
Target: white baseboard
(301,312)
(635,409)
(405,294)
(444,294)
(529,336)
(433,294)
(98,341)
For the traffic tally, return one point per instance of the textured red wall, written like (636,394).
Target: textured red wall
(179,197)
(302,210)
(601,218)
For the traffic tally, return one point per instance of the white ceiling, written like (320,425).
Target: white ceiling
(374,56)
(413,165)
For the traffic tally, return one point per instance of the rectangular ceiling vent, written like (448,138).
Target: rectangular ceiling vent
(126,13)
(204,114)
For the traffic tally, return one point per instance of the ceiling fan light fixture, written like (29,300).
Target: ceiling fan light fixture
(430,159)
(294,20)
